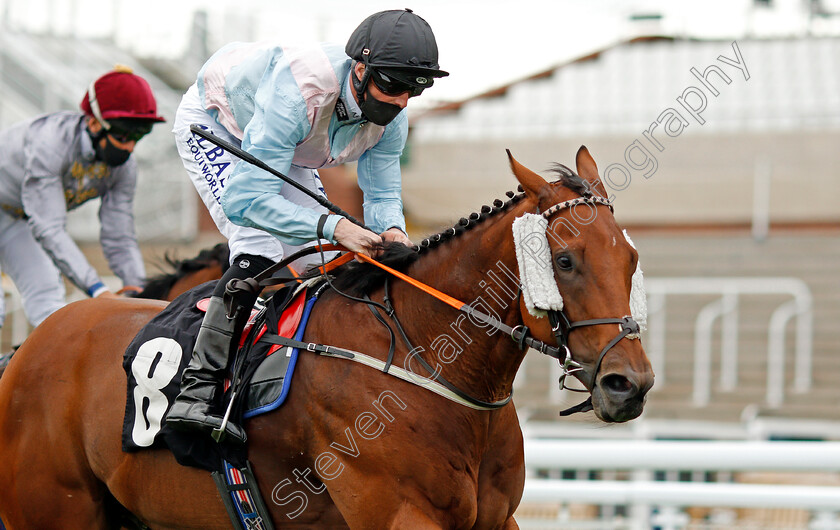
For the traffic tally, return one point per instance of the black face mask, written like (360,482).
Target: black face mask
(376,111)
(110,154)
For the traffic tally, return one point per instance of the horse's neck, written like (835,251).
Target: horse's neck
(479,268)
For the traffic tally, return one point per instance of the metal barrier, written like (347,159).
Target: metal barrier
(726,308)
(655,503)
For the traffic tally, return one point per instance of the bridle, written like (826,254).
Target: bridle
(561,326)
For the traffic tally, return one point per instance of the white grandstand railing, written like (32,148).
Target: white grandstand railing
(726,309)
(660,503)
(16,327)
(752,427)
(684,456)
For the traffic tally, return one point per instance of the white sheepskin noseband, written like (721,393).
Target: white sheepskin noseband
(539,288)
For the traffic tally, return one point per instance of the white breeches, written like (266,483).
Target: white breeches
(31,270)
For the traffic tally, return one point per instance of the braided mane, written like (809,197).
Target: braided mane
(565,176)
(360,278)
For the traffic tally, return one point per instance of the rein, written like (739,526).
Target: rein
(519,334)
(560,325)
(436,383)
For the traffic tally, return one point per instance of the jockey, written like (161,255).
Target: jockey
(296,109)
(55,162)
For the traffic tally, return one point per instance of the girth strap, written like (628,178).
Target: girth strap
(405,375)
(313,347)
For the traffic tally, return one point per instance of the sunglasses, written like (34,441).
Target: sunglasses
(392,87)
(132,133)
(125,137)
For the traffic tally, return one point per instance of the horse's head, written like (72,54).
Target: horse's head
(576,268)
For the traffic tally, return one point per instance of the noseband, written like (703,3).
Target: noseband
(561,326)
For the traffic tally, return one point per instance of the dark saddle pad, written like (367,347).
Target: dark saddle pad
(158,355)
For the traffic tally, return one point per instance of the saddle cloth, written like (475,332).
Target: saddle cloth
(158,355)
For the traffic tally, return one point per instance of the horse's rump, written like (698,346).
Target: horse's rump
(50,410)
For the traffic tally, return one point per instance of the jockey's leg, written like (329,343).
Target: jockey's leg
(31,269)
(209,168)
(201,383)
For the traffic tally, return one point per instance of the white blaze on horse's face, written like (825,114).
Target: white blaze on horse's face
(581,266)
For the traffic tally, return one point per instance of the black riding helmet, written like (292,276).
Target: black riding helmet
(399,46)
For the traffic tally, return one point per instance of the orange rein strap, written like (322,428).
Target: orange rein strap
(445,298)
(437,384)
(341,260)
(519,334)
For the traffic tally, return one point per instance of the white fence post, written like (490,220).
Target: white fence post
(727,308)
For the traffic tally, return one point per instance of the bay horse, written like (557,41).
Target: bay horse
(208,265)
(352,446)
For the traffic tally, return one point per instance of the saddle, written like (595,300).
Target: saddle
(156,358)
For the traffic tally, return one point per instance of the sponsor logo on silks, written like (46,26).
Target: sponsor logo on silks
(319,184)
(341,111)
(211,163)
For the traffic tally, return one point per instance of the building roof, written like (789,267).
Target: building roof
(794,83)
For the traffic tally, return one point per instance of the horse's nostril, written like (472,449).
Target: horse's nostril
(617,384)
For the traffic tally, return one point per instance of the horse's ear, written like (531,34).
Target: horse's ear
(587,169)
(531,182)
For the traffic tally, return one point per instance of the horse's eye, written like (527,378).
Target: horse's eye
(564,261)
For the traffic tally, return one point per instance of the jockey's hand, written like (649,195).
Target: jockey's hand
(356,238)
(397,236)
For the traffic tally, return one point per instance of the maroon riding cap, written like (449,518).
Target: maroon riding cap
(120,94)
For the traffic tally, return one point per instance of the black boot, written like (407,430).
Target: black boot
(202,380)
